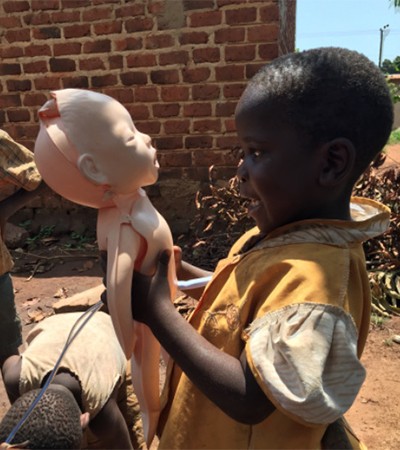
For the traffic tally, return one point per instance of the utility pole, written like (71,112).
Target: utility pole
(381,43)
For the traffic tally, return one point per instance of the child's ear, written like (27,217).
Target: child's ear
(87,165)
(338,157)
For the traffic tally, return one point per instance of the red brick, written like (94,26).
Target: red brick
(234,53)
(93,14)
(18,115)
(234,90)
(10,69)
(131,10)
(36,67)
(176,159)
(205,92)
(210,54)
(76,31)
(130,78)
(116,61)
(177,126)
(114,27)
(77,82)
(269,13)
(46,33)
(207,126)
(67,48)
(199,142)
(229,35)
(252,69)
(196,75)
(47,83)
(34,99)
(197,4)
(166,110)
(178,57)
(40,5)
(164,76)
(10,22)
(197,110)
(37,50)
(2,117)
(18,85)
(62,65)
(193,37)
(149,127)
(75,3)
(104,80)
(159,41)
(263,33)
(226,109)
(123,95)
(229,73)
(37,18)
(12,6)
(9,100)
(205,18)
(11,52)
(21,35)
(141,60)
(174,93)
(65,16)
(268,52)
(168,143)
(98,46)
(138,112)
(130,43)
(146,94)
(136,24)
(241,15)
(92,64)
(230,125)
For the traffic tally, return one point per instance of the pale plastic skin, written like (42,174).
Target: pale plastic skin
(89,151)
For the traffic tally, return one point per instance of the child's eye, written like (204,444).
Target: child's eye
(238,153)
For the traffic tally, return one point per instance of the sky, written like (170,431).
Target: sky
(353,24)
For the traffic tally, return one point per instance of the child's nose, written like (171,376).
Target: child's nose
(241,172)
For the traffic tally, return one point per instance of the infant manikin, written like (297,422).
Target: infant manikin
(89,151)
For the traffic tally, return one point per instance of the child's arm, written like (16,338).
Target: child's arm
(222,378)
(16,201)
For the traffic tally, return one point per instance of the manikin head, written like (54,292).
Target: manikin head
(88,148)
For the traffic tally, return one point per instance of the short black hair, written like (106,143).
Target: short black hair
(53,424)
(331,92)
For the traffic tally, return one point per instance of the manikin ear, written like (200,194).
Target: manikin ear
(338,158)
(85,418)
(88,167)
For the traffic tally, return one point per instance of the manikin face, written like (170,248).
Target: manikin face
(123,156)
(277,172)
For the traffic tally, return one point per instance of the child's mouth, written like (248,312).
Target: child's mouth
(252,206)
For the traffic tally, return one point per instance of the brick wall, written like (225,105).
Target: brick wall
(179,67)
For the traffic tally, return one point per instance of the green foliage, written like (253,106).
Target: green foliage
(394,137)
(394,91)
(44,233)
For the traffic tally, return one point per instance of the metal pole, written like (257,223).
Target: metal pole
(381,44)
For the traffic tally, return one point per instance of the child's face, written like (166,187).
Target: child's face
(278,172)
(126,156)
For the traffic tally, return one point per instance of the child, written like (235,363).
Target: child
(271,355)
(93,370)
(17,169)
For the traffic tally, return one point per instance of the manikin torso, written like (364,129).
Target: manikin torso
(89,151)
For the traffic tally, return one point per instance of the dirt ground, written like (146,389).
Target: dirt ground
(42,278)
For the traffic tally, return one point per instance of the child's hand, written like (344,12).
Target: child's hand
(150,293)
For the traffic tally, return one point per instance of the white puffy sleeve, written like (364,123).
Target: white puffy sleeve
(304,356)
